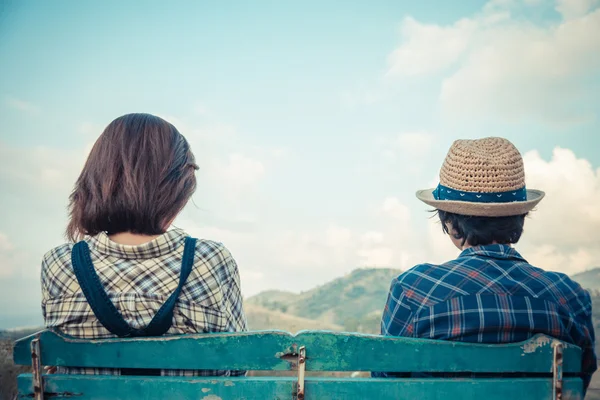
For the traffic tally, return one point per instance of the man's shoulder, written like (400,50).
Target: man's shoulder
(427,278)
(468,275)
(568,290)
(435,272)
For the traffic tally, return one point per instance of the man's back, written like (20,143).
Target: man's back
(490,294)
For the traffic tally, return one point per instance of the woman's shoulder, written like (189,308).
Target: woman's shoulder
(57,255)
(215,255)
(209,249)
(57,275)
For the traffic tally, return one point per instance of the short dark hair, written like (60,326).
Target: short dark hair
(480,231)
(138,176)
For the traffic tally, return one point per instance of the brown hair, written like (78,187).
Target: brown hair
(138,177)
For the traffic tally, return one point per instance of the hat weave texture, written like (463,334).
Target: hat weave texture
(487,165)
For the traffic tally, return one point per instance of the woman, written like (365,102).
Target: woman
(124,273)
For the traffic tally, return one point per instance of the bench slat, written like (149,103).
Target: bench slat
(326,351)
(254,388)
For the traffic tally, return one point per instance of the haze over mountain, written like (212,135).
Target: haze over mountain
(353,302)
(589,279)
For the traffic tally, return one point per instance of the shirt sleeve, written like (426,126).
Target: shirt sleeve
(44,284)
(397,318)
(233,302)
(588,361)
(397,314)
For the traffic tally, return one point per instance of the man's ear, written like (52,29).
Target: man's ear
(451,231)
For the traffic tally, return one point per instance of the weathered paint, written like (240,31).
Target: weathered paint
(36,366)
(536,342)
(266,388)
(557,372)
(275,350)
(301,371)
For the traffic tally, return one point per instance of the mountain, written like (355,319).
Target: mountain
(260,318)
(353,302)
(589,279)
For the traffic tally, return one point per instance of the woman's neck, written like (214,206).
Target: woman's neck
(131,239)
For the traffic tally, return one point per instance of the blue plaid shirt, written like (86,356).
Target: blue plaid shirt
(490,294)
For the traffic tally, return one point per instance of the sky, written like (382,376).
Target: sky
(314,123)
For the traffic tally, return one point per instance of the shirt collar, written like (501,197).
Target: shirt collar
(163,244)
(501,251)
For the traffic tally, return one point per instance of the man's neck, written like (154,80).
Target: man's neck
(468,245)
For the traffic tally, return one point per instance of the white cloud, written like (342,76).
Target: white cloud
(416,55)
(494,65)
(7,262)
(415,143)
(21,105)
(200,109)
(411,150)
(392,207)
(91,130)
(560,235)
(575,8)
(41,166)
(241,170)
(563,231)
(533,2)
(552,258)
(293,254)
(5,244)
(226,163)
(376,256)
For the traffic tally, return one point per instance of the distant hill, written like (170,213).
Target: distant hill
(260,318)
(589,279)
(14,334)
(353,302)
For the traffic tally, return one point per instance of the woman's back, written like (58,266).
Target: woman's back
(102,287)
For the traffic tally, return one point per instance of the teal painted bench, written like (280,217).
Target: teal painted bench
(539,369)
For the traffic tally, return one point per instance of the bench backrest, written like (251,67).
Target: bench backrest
(539,368)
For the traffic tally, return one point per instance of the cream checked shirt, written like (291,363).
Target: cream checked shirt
(138,280)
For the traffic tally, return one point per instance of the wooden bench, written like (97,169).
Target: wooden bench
(541,368)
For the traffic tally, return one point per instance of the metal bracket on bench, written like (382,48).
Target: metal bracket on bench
(301,370)
(557,371)
(36,364)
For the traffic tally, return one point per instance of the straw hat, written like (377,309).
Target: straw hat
(483,177)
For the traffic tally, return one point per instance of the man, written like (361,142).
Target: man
(490,293)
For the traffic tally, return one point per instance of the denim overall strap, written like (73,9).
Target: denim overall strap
(103,308)
(163,319)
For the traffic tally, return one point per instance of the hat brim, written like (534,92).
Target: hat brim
(483,209)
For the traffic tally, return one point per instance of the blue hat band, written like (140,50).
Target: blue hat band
(446,193)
